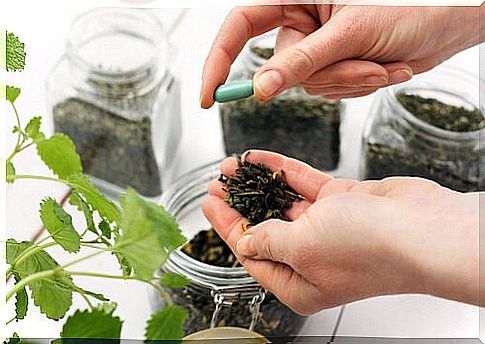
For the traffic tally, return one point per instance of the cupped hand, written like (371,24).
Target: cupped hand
(351,240)
(340,51)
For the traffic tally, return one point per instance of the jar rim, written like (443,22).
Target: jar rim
(202,274)
(74,42)
(392,92)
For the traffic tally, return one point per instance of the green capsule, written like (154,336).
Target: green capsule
(233,91)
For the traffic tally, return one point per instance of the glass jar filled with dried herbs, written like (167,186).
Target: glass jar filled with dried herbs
(293,123)
(221,293)
(430,127)
(113,93)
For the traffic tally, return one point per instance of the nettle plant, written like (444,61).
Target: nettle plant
(139,234)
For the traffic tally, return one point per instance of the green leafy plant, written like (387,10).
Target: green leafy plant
(140,234)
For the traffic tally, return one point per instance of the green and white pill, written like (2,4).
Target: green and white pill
(233,91)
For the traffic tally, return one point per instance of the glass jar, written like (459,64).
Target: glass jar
(293,123)
(218,296)
(396,142)
(113,93)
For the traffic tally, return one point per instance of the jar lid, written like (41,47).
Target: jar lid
(226,335)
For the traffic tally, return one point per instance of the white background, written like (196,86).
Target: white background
(42,26)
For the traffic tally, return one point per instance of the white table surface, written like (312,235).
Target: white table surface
(43,29)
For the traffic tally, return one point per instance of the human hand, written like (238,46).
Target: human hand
(340,51)
(352,240)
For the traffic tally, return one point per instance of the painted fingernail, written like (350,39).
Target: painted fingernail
(268,83)
(245,246)
(399,76)
(375,80)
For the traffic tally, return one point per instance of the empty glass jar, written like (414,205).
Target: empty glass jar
(114,95)
(293,123)
(218,296)
(398,142)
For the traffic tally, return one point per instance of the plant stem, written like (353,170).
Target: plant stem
(89,256)
(8,322)
(29,279)
(28,252)
(162,292)
(29,176)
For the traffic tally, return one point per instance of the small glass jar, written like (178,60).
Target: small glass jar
(396,142)
(218,296)
(293,123)
(114,95)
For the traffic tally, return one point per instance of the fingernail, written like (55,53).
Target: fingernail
(268,83)
(399,76)
(245,246)
(375,80)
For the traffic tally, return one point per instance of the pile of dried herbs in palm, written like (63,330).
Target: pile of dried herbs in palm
(395,149)
(258,193)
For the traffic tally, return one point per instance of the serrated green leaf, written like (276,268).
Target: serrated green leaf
(10,172)
(125,265)
(150,234)
(15,339)
(53,294)
(21,300)
(59,225)
(76,200)
(32,129)
(59,154)
(173,280)
(97,201)
(15,53)
(12,93)
(93,324)
(105,229)
(166,324)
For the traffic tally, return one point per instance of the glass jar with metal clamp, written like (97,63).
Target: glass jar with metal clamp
(218,296)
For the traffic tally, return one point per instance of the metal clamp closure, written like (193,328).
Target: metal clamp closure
(226,297)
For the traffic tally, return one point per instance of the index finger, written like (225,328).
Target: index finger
(242,24)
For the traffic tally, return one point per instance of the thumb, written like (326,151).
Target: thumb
(333,42)
(270,240)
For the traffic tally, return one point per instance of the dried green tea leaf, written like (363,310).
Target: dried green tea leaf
(59,225)
(173,280)
(53,294)
(166,324)
(21,300)
(98,202)
(12,93)
(258,193)
(150,234)
(441,115)
(10,172)
(32,129)
(76,200)
(92,324)
(59,154)
(15,53)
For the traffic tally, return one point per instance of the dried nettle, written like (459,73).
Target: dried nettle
(138,233)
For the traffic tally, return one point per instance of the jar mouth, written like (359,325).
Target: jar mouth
(190,188)
(423,86)
(117,46)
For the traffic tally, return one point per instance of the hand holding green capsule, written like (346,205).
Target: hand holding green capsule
(234,90)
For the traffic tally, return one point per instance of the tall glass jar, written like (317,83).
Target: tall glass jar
(218,296)
(293,123)
(396,142)
(114,95)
